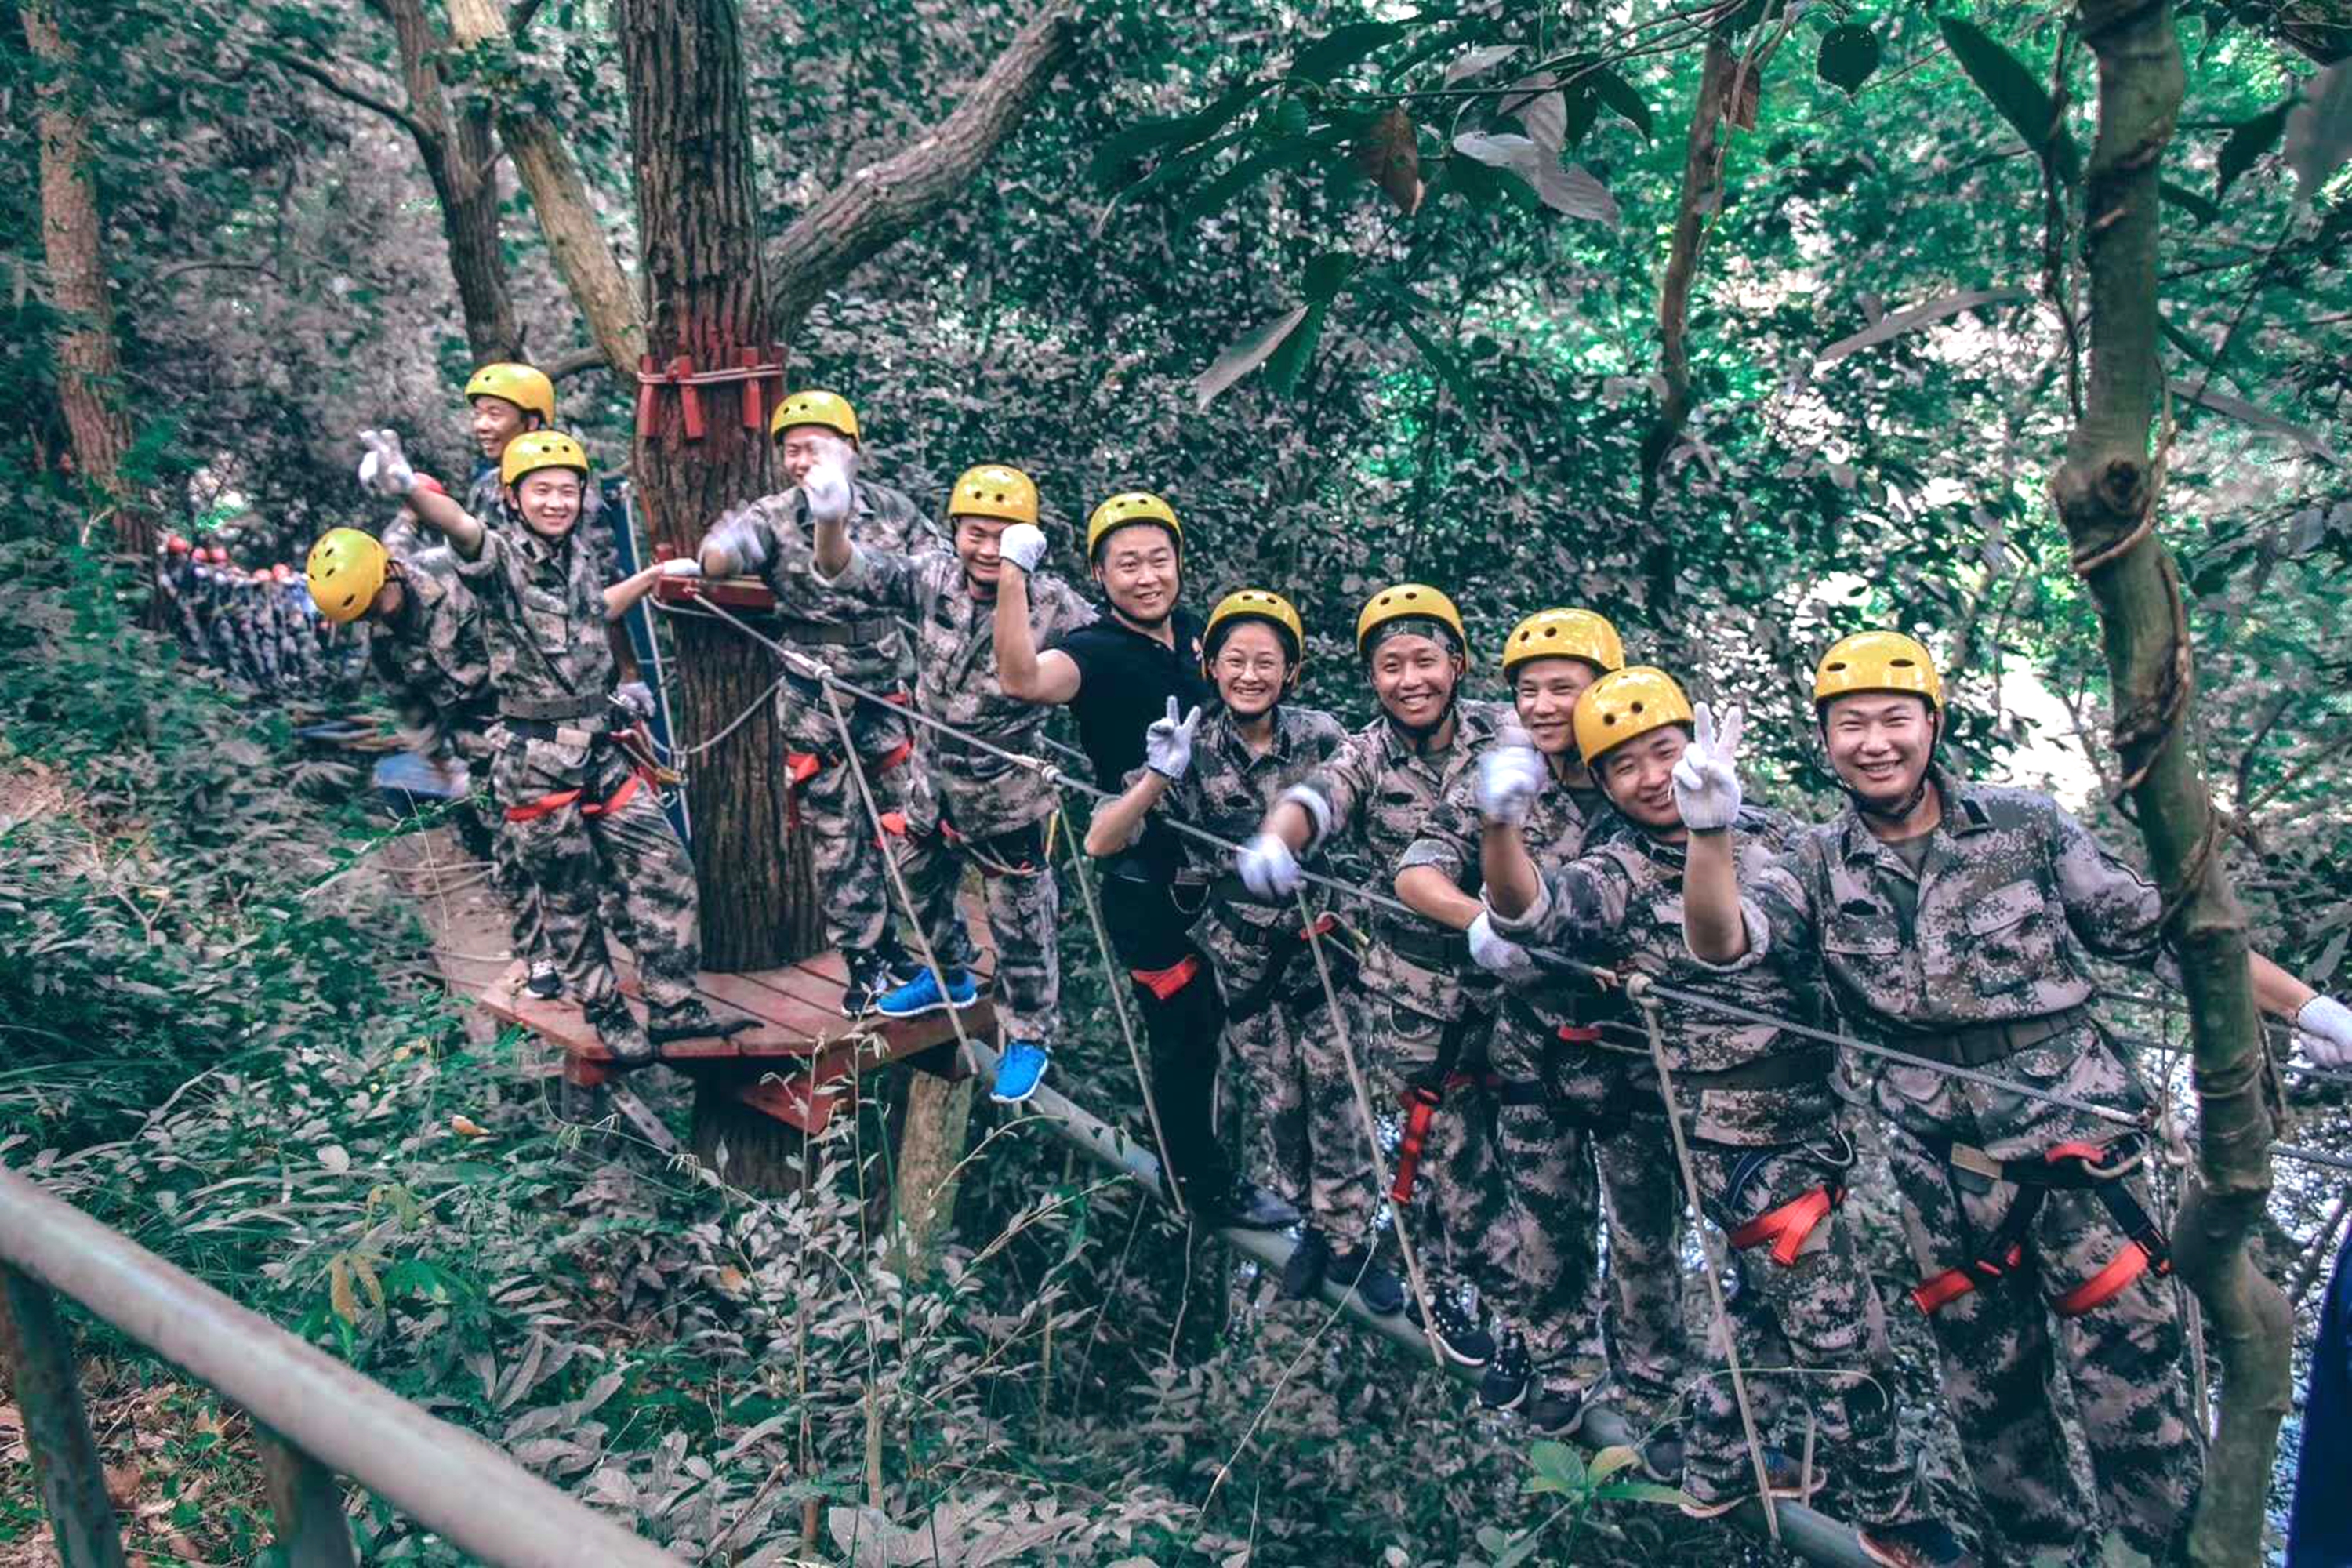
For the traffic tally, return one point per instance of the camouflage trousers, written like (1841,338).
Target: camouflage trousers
(2003,1347)
(1609,1101)
(573,858)
(1818,1313)
(481,827)
(1551,1290)
(1024,916)
(843,852)
(1305,1137)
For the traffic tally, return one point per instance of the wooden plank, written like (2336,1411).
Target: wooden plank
(37,1354)
(306,1503)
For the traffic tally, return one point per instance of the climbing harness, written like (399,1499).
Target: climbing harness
(2099,1168)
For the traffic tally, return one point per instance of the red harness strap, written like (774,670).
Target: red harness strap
(1581,1033)
(1164,984)
(801,766)
(547,804)
(1787,1226)
(894,756)
(1942,1290)
(1420,1102)
(2108,1283)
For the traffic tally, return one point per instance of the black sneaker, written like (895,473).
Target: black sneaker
(1379,1289)
(1921,1543)
(546,981)
(1505,1384)
(619,1033)
(1662,1457)
(1302,1276)
(873,975)
(1246,1206)
(1461,1337)
(1557,1405)
(691,1020)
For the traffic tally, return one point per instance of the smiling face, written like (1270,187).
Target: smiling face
(548,499)
(1413,676)
(1545,692)
(1140,572)
(497,422)
(1252,666)
(1640,777)
(975,544)
(1879,743)
(800,446)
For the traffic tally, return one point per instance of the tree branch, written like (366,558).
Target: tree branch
(1702,197)
(519,17)
(574,363)
(425,135)
(879,204)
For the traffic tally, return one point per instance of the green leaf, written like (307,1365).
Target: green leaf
(2319,129)
(1557,1462)
(1449,369)
(1125,146)
(2248,143)
(1611,1459)
(2014,90)
(2186,341)
(1328,56)
(1239,176)
(1621,96)
(1645,1491)
(2189,201)
(1245,355)
(1288,363)
(1850,56)
(1327,274)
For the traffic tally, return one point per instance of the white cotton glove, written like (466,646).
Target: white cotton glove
(384,466)
(1168,744)
(739,534)
(1707,780)
(828,489)
(1268,869)
(1023,544)
(2324,1032)
(681,566)
(1498,954)
(1510,776)
(635,698)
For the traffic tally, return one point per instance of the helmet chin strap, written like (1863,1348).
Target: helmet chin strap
(1419,734)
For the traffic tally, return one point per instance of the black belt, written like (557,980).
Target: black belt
(554,708)
(546,729)
(1430,949)
(1976,1044)
(841,634)
(1782,1069)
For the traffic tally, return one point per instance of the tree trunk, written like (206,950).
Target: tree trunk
(931,1151)
(707,295)
(90,370)
(1702,197)
(2107,492)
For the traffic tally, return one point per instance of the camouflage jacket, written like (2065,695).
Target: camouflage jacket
(542,604)
(432,657)
(834,625)
(1380,791)
(486,501)
(1228,788)
(2010,874)
(955,683)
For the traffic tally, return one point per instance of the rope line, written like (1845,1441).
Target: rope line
(815,669)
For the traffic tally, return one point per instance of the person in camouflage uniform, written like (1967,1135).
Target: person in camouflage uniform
(571,786)
(1221,773)
(772,537)
(1755,1100)
(261,627)
(1556,1097)
(174,582)
(969,806)
(1419,1028)
(1947,917)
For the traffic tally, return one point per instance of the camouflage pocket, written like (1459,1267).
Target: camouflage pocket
(2012,943)
(1410,1041)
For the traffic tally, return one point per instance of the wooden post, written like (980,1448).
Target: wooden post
(307,1504)
(37,1355)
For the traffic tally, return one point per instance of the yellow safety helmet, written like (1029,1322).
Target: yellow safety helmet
(1255,604)
(345,569)
(1878,661)
(525,386)
(1131,506)
(1406,600)
(536,449)
(829,409)
(992,489)
(1625,705)
(1564,634)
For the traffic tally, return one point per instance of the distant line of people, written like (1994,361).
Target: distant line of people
(257,626)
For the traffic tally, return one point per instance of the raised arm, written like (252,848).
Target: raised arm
(736,545)
(1510,776)
(1707,792)
(386,470)
(1049,678)
(623,596)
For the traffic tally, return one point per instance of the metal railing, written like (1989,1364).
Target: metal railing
(314,1419)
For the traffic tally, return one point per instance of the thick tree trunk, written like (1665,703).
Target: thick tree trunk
(88,367)
(2107,493)
(931,1151)
(697,224)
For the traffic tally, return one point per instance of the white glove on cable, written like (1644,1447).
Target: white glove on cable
(636,698)
(1268,869)
(737,535)
(1498,954)
(1023,544)
(1707,780)
(385,468)
(828,489)
(2324,1032)
(681,566)
(1510,776)
(1168,744)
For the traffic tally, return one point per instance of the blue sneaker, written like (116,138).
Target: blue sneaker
(922,994)
(1019,1072)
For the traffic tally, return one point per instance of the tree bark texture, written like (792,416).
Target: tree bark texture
(455,147)
(706,299)
(88,364)
(882,203)
(931,1152)
(567,216)
(2107,492)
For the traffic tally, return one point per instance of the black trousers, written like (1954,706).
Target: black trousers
(1181,1024)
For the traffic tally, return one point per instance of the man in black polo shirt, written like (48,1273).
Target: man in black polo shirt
(1116,676)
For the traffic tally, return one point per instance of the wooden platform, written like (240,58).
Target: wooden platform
(799,1062)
